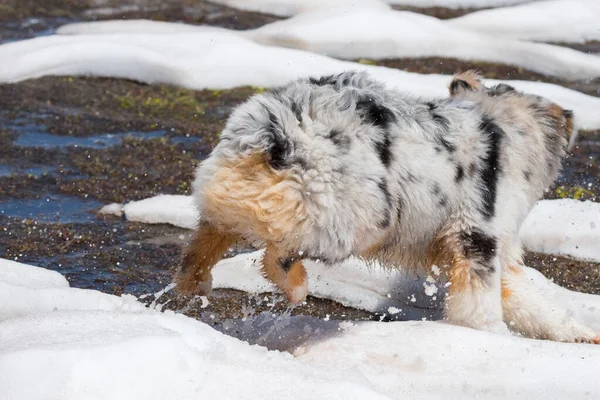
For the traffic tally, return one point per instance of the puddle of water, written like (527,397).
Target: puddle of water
(35,138)
(51,208)
(184,140)
(37,171)
(30,28)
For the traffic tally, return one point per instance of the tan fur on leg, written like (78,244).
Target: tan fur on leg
(293,282)
(206,249)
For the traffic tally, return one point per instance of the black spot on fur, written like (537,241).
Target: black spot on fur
(457,84)
(385,221)
(374,113)
(460,174)
(440,139)
(286,263)
(437,118)
(491,168)
(297,110)
(443,201)
(479,247)
(441,120)
(324,80)
(568,114)
(527,175)
(384,150)
(500,89)
(472,170)
(435,189)
(437,149)
(280,145)
(339,139)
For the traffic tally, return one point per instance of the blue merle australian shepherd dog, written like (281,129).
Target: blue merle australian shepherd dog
(341,166)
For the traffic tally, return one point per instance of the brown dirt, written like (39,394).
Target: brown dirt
(438,12)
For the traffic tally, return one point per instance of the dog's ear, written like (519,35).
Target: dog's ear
(465,81)
(563,121)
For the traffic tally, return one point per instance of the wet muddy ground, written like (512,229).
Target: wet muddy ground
(69,145)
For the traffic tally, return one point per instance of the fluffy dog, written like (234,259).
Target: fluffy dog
(340,166)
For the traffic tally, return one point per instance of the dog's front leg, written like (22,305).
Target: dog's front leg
(287,272)
(207,247)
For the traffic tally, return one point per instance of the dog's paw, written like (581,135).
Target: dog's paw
(590,340)
(297,294)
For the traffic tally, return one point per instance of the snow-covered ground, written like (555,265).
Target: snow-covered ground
(286,8)
(375,33)
(455,4)
(57,342)
(567,227)
(209,58)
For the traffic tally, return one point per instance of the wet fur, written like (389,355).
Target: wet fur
(340,166)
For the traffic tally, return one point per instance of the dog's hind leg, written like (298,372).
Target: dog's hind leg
(207,247)
(473,270)
(528,312)
(287,272)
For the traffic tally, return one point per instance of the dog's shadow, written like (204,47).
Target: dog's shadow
(408,300)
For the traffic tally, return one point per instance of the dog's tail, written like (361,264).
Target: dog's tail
(465,81)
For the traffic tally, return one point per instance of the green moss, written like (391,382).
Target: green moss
(168,100)
(366,62)
(574,192)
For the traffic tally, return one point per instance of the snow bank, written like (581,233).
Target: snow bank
(456,4)
(162,209)
(98,346)
(210,59)
(83,349)
(378,34)
(574,21)
(564,226)
(287,8)
(429,360)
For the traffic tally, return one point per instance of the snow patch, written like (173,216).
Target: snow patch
(566,227)
(573,21)
(379,34)
(210,59)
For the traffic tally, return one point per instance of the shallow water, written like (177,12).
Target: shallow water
(51,207)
